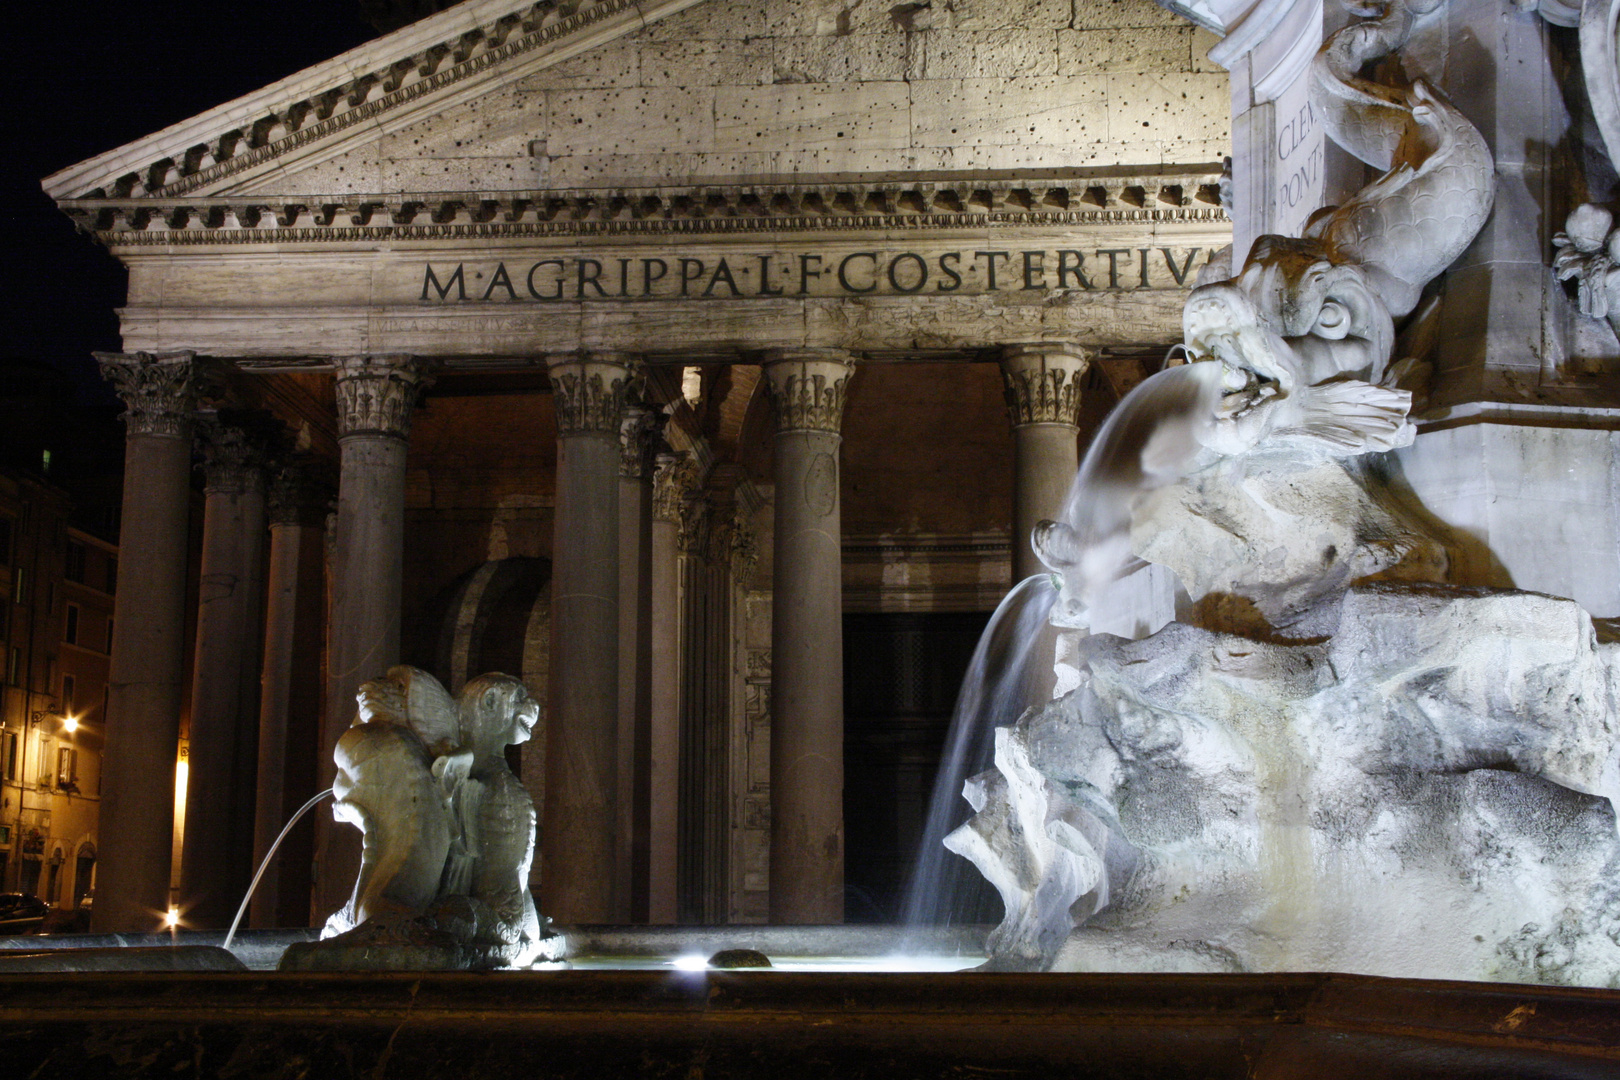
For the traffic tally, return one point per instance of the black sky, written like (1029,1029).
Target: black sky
(86,77)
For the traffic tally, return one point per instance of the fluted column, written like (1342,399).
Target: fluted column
(1042,386)
(673,482)
(375,399)
(290,699)
(218,843)
(638,437)
(143,687)
(807,715)
(579,877)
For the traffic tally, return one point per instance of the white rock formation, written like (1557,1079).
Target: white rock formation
(1420,784)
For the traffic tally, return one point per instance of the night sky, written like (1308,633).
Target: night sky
(85,77)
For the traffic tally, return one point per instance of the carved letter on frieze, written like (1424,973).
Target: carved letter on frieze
(1042,383)
(376,394)
(589,394)
(808,388)
(159,390)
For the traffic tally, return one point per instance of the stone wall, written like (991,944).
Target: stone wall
(728,89)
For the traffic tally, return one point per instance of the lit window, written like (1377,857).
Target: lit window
(67,768)
(45,461)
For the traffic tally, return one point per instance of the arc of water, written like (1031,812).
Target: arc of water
(253,887)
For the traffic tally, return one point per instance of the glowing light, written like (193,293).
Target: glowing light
(172,919)
(70,724)
(691,963)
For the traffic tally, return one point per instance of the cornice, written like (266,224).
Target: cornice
(376,83)
(1189,195)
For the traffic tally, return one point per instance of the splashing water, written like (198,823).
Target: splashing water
(994,692)
(1152,438)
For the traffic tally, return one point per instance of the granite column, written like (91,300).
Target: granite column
(579,829)
(290,701)
(143,689)
(807,716)
(218,843)
(672,482)
(375,399)
(638,436)
(1042,386)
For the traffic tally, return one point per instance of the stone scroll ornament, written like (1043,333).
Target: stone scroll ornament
(1323,757)
(448,831)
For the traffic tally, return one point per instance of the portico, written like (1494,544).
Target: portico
(870,381)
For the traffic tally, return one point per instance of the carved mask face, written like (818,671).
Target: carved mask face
(1291,319)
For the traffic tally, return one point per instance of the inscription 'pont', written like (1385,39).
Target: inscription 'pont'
(856,273)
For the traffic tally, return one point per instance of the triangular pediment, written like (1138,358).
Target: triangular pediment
(420,71)
(500,97)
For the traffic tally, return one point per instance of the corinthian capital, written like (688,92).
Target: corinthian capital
(377,394)
(589,392)
(298,497)
(1042,382)
(639,433)
(808,388)
(159,390)
(675,477)
(235,448)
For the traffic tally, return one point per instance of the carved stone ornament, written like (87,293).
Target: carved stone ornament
(1042,383)
(159,390)
(744,547)
(674,479)
(297,497)
(376,395)
(447,831)
(808,388)
(235,453)
(589,394)
(639,435)
(696,518)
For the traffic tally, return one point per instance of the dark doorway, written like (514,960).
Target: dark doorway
(902,672)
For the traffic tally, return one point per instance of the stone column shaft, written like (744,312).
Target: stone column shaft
(579,830)
(671,484)
(637,434)
(807,715)
(375,396)
(290,702)
(149,618)
(1042,385)
(218,843)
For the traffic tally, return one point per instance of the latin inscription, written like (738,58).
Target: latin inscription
(855,273)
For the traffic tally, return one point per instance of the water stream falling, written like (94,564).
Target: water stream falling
(1152,438)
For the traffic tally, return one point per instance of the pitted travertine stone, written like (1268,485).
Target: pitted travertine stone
(376,394)
(159,390)
(807,767)
(149,620)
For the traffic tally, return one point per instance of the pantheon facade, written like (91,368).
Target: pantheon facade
(672,355)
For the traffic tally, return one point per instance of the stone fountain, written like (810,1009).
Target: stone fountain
(1306,750)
